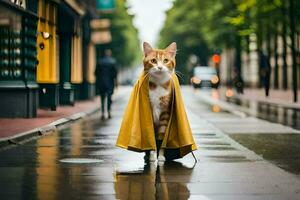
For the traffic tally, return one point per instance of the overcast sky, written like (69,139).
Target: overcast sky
(149,17)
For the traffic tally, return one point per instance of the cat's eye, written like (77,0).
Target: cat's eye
(166,60)
(154,60)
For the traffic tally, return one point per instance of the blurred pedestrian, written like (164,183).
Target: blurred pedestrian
(106,80)
(264,71)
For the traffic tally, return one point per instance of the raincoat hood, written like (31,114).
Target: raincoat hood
(137,129)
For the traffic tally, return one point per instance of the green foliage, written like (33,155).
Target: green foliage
(200,27)
(125,44)
(183,25)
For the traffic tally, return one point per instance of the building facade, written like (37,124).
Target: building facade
(18,87)
(47,57)
(250,65)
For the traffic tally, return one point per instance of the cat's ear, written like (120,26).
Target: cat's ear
(147,48)
(171,49)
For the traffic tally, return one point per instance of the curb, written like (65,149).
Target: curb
(23,137)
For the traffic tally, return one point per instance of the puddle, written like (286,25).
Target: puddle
(80,160)
(273,113)
(216,143)
(219,148)
(228,158)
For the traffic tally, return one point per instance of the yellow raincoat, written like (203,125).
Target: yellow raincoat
(137,129)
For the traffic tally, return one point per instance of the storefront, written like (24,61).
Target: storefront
(18,88)
(87,90)
(48,54)
(70,34)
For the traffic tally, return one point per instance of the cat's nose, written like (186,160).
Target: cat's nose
(159,67)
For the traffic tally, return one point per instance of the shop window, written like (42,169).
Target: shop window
(10,44)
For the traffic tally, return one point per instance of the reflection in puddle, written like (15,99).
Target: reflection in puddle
(220,148)
(231,158)
(80,160)
(216,108)
(271,112)
(215,94)
(229,93)
(162,181)
(46,179)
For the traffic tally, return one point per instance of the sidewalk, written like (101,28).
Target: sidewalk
(279,97)
(10,127)
(13,130)
(225,170)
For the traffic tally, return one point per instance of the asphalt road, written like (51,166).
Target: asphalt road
(225,169)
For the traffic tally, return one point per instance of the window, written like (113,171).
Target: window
(10,44)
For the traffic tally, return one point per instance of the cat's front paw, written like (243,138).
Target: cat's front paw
(161,156)
(152,157)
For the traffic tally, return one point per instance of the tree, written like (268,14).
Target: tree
(125,44)
(228,24)
(182,26)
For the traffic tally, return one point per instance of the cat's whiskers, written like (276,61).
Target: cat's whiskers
(179,74)
(147,74)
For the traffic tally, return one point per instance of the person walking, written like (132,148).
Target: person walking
(265,71)
(106,80)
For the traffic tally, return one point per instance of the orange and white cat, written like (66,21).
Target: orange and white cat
(160,65)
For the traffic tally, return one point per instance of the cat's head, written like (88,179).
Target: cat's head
(159,63)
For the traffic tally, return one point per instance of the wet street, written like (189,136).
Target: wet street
(239,157)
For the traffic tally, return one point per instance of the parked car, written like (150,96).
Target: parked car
(205,76)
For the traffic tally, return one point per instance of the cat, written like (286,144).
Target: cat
(159,64)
